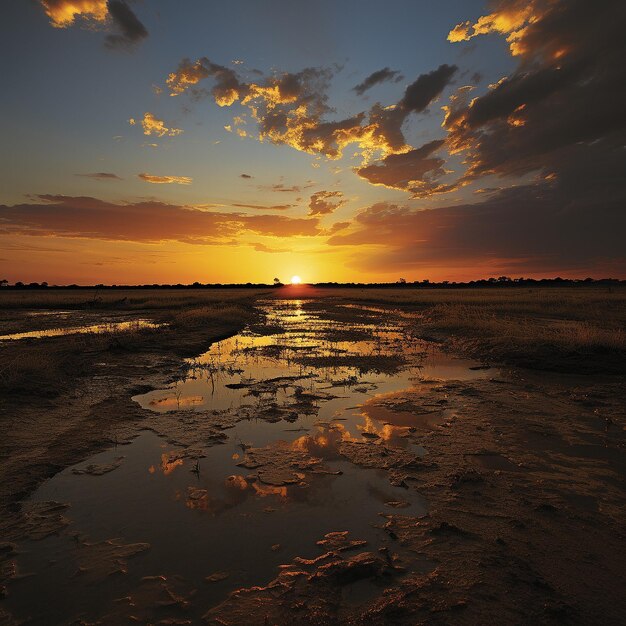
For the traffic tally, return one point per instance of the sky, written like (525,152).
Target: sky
(153,141)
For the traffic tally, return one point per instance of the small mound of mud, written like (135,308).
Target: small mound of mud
(308,590)
(280,464)
(101,559)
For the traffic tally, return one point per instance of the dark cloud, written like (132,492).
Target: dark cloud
(426,88)
(522,229)
(101,176)
(149,221)
(129,30)
(245,176)
(325,202)
(376,78)
(568,92)
(416,171)
(282,188)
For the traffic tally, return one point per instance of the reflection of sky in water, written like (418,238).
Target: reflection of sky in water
(108,327)
(222,518)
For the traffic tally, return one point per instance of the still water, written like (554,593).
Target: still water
(200,524)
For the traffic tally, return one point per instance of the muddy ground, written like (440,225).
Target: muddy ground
(523,475)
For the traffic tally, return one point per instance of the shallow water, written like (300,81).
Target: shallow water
(97,329)
(208,514)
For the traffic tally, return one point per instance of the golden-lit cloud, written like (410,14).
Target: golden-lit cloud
(291,108)
(165,180)
(325,202)
(152,125)
(527,121)
(63,13)
(510,19)
(116,16)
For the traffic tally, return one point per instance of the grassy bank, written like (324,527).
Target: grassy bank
(574,329)
(189,320)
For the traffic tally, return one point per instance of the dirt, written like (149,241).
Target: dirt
(523,474)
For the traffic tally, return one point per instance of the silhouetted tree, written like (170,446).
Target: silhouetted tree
(4,282)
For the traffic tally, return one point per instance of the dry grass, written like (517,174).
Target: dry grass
(122,299)
(191,320)
(570,328)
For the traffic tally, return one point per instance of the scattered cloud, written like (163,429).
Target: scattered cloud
(261,247)
(375,78)
(64,13)
(263,207)
(152,125)
(128,30)
(116,16)
(282,188)
(292,108)
(165,180)
(246,176)
(325,202)
(101,176)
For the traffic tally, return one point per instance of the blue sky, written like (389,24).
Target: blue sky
(68,98)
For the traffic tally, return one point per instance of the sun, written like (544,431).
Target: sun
(296,280)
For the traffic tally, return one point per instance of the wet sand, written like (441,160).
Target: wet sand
(331,467)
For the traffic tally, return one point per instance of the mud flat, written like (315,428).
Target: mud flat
(327,466)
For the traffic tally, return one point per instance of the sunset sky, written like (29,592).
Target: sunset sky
(178,141)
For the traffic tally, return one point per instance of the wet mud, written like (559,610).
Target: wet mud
(331,467)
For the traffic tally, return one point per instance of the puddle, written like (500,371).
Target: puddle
(109,327)
(221,517)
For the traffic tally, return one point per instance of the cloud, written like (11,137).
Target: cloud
(227,88)
(147,221)
(337,226)
(427,88)
(114,15)
(521,229)
(263,207)
(63,13)
(261,247)
(511,18)
(376,78)
(567,94)
(282,188)
(152,125)
(246,176)
(292,108)
(129,30)
(101,176)
(165,180)
(416,171)
(325,202)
